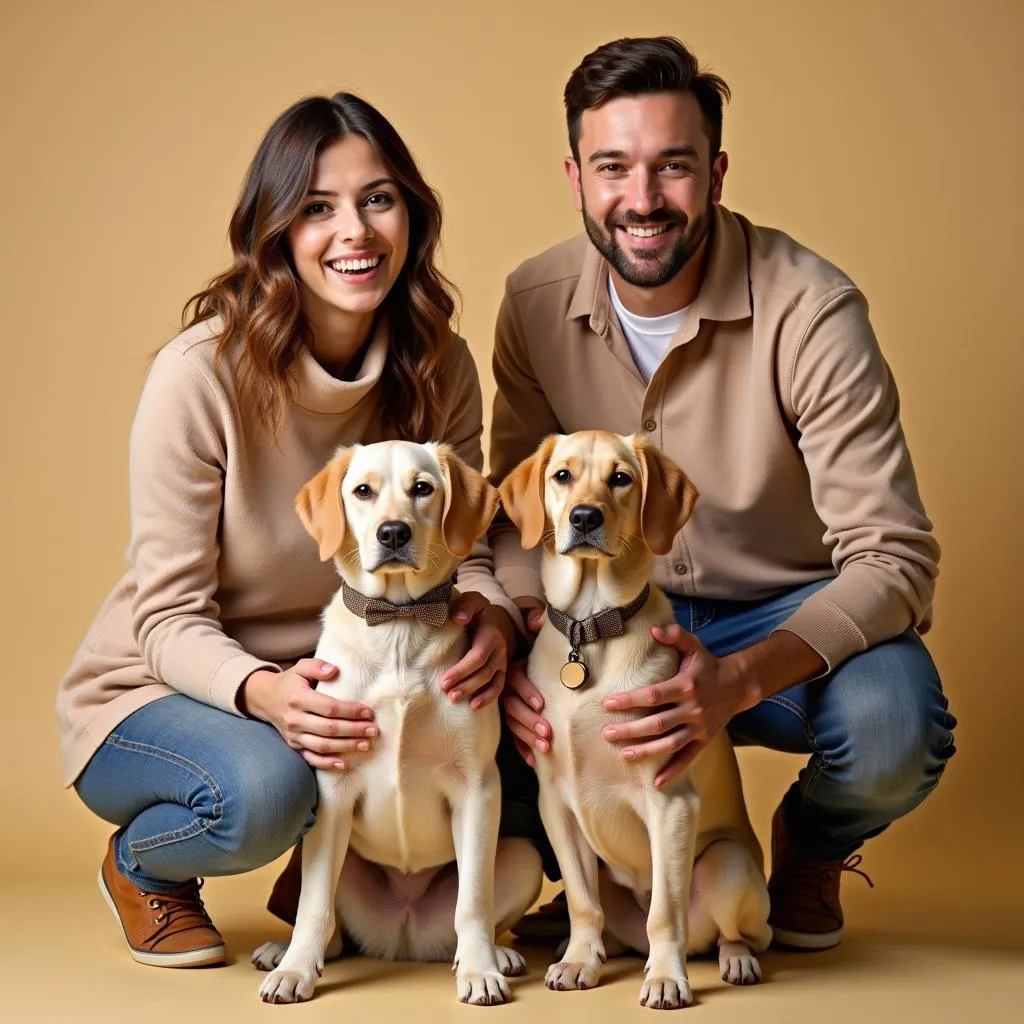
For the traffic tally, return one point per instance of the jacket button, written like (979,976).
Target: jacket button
(680,568)
(650,425)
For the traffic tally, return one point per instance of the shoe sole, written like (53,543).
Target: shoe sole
(806,941)
(205,957)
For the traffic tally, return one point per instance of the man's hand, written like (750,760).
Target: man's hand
(693,707)
(480,673)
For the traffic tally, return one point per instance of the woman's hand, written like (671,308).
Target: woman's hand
(480,674)
(321,728)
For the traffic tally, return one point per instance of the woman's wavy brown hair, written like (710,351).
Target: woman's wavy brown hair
(258,298)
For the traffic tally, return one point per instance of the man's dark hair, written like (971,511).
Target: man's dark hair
(632,67)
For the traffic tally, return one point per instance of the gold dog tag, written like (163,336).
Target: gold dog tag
(574,674)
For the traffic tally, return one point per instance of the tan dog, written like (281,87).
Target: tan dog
(379,864)
(680,868)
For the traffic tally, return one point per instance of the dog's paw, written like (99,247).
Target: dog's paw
(269,955)
(288,986)
(738,964)
(483,988)
(511,962)
(660,993)
(567,975)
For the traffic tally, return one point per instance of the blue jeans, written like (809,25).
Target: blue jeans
(197,791)
(877,728)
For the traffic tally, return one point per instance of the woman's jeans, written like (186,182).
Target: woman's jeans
(197,791)
(877,728)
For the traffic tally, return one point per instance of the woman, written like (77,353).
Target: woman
(189,717)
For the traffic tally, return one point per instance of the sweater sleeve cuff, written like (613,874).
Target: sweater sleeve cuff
(228,679)
(827,629)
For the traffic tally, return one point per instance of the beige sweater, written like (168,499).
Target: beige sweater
(224,579)
(776,400)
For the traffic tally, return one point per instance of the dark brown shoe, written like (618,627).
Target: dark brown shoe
(805,910)
(162,929)
(284,897)
(548,923)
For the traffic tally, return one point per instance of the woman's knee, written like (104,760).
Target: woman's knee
(268,802)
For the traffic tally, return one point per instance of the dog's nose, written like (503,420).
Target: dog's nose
(394,534)
(586,518)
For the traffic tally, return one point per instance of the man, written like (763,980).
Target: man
(807,570)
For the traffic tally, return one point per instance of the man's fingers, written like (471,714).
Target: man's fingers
(475,659)
(467,607)
(663,746)
(652,696)
(678,764)
(656,724)
(490,693)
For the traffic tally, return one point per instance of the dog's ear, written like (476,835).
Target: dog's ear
(668,498)
(469,503)
(320,507)
(522,494)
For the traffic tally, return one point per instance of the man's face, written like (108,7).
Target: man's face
(645,183)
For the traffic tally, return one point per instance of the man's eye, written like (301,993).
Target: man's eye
(421,489)
(363,491)
(620,480)
(563,476)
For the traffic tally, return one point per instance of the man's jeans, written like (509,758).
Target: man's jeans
(198,791)
(877,728)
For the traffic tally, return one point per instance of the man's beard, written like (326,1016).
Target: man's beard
(648,269)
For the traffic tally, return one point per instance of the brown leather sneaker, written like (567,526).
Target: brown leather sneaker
(548,923)
(805,910)
(284,897)
(162,929)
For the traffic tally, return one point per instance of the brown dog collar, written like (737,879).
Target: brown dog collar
(433,607)
(606,624)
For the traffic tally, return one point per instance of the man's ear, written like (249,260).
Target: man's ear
(522,494)
(469,503)
(668,497)
(320,507)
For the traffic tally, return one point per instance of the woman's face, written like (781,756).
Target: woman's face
(350,239)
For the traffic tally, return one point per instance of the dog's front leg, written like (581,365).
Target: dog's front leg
(323,854)
(476,809)
(672,826)
(580,966)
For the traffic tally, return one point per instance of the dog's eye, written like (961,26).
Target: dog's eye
(563,476)
(421,489)
(363,491)
(620,480)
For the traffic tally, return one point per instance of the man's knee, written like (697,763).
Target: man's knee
(896,734)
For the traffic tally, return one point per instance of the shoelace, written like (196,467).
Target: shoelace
(178,910)
(817,883)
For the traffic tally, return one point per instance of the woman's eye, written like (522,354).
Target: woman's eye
(563,476)
(421,489)
(620,480)
(316,209)
(380,199)
(363,491)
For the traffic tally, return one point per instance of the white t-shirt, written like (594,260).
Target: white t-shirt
(648,337)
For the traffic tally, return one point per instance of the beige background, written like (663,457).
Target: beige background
(883,134)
